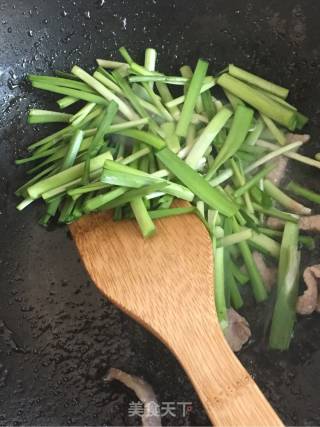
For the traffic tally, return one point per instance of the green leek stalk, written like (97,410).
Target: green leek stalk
(236,136)
(142,216)
(118,214)
(128,196)
(105,92)
(239,180)
(65,187)
(187,73)
(124,179)
(22,205)
(66,101)
(109,75)
(105,63)
(50,170)
(173,80)
(172,140)
(239,275)
(284,313)
(36,190)
(234,100)
(165,202)
(82,113)
(156,101)
(89,188)
(52,139)
(150,59)
(208,105)
(119,174)
(165,213)
(257,81)
(102,199)
(62,82)
(191,98)
(67,209)
(98,139)
(67,162)
(135,156)
(37,156)
(307,241)
(288,152)
(285,200)
(46,116)
(136,68)
(135,101)
(199,186)
(166,97)
(253,181)
(274,130)
(299,190)
(108,82)
(275,153)
(262,103)
(276,213)
(74,93)
(255,134)
(265,244)
(235,296)
(142,136)
(219,288)
(258,287)
(235,238)
(221,178)
(208,83)
(207,136)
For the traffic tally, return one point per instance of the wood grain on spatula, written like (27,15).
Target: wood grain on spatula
(166,284)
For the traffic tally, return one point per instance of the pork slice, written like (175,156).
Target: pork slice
(238,331)
(143,390)
(296,137)
(311,223)
(268,274)
(275,223)
(277,174)
(308,302)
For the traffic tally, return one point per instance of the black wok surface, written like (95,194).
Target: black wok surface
(58,336)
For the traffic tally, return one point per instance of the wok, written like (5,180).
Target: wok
(58,336)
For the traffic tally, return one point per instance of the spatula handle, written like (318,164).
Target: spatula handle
(225,388)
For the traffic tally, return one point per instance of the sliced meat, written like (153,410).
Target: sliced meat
(275,223)
(269,274)
(306,223)
(144,393)
(277,174)
(296,137)
(309,301)
(238,331)
(298,209)
(311,223)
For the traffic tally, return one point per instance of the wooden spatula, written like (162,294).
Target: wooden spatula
(166,284)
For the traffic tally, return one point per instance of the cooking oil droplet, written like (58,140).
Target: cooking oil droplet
(3,375)
(7,336)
